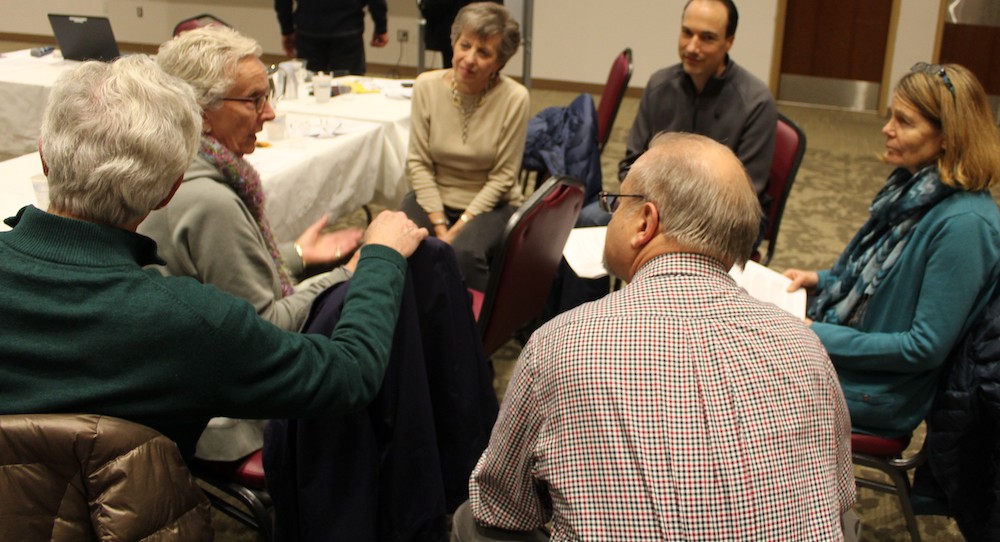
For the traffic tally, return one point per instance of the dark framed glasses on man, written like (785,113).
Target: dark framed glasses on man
(609,202)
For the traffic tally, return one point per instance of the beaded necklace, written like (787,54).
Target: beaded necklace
(467,106)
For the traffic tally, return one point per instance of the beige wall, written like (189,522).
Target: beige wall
(574,40)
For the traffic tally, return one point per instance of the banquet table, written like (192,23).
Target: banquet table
(330,166)
(372,99)
(25,83)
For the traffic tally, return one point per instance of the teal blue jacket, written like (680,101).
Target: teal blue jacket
(889,363)
(84,329)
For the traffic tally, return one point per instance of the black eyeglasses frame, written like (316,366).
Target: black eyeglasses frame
(609,202)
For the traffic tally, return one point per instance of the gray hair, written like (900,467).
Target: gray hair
(116,137)
(208,59)
(698,206)
(487,19)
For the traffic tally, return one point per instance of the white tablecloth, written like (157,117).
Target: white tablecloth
(386,103)
(25,83)
(303,177)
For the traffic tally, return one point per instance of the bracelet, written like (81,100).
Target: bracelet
(440,222)
(465,217)
(298,250)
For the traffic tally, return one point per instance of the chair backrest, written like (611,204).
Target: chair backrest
(611,98)
(86,476)
(789,147)
(525,264)
(198,21)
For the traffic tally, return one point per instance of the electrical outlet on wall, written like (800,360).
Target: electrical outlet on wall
(403,35)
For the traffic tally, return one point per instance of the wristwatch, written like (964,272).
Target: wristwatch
(465,217)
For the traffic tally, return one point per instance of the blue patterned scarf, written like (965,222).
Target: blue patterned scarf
(866,261)
(244,180)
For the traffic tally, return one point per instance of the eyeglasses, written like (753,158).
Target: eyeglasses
(609,202)
(935,69)
(259,101)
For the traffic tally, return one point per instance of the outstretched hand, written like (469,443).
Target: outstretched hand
(394,230)
(324,248)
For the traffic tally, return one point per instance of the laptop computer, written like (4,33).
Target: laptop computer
(84,38)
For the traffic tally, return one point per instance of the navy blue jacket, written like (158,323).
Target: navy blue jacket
(393,470)
(963,437)
(563,141)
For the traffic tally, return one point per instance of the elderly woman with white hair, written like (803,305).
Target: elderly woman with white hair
(215,228)
(467,134)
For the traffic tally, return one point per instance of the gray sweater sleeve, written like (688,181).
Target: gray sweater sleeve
(207,233)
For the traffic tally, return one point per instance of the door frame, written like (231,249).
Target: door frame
(890,48)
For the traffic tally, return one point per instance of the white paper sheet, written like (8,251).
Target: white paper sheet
(584,252)
(770,286)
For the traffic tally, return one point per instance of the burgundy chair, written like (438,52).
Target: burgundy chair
(198,21)
(525,264)
(611,98)
(886,456)
(789,148)
(242,480)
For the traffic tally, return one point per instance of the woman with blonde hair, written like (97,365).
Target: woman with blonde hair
(919,272)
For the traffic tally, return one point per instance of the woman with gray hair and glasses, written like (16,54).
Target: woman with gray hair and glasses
(921,269)
(215,228)
(467,131)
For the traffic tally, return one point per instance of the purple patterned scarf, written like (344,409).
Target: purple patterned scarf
(239,175)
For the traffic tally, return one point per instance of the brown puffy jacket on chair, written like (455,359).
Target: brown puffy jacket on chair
(89,477)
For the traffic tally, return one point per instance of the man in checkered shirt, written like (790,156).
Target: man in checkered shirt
(677,408)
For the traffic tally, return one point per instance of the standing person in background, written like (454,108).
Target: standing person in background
(467,133)
(329,34)
(438,16)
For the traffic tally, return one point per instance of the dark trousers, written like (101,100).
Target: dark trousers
(475,245)
(343,54)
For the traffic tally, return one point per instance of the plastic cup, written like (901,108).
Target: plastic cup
(277,128)
(41,185)
(322,85)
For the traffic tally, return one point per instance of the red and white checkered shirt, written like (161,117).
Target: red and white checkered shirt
(678,408)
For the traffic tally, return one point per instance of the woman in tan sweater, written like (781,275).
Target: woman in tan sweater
(466,140)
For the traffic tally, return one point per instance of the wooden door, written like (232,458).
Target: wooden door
(833,51)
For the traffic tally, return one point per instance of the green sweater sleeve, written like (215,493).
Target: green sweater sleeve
(281,374)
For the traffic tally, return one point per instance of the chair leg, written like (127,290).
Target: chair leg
(902,483)
(258,518)
(900,487)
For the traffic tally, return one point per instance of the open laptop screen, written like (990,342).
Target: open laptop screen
(84,38)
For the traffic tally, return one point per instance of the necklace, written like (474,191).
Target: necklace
(466,106)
